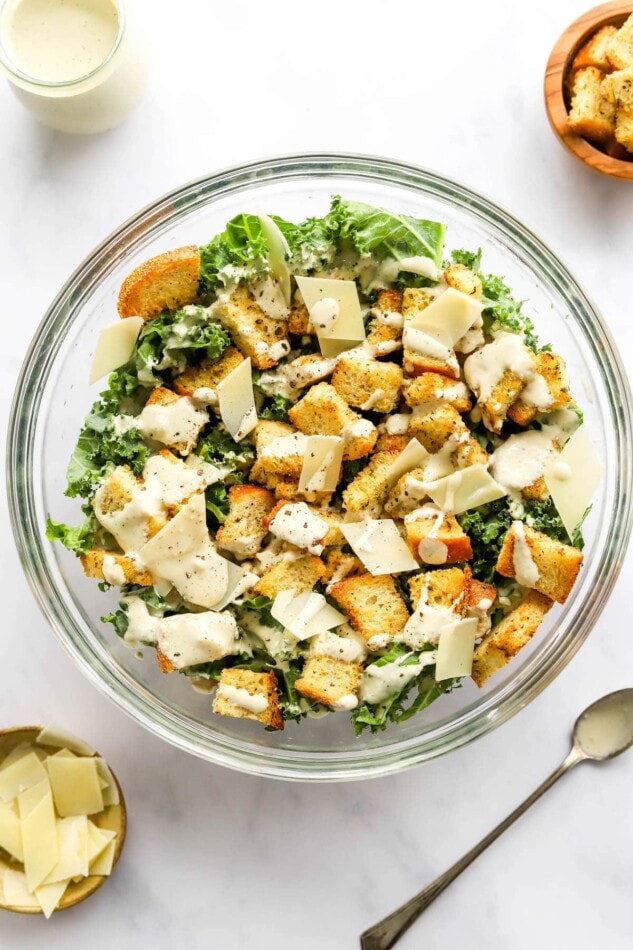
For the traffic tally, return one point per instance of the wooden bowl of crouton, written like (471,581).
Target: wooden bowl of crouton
(589,89)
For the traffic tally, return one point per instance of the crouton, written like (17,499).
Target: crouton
(367,384)
(557,564)
(436,543)
(469,451)
(308,369)
(434,423)
(619,88)
(374,607)
(592,113)
(263,339)
(366,493)
(208,373)
(479,596)
(117,490)
(164,663)
(619,51)
(508,636)
(323,412)
(613,148)
(267,430)
(552,368)
(414,300)
(256,685)
(406,494)
(120,564)
(594,51)
(244,528)
(282,457)
(495,407)
(299,318)
(299,575)
(330,681)
(392,442)
(463,279)
(384,330)
(339,564)
(154,429)
(287,489)
(165,282)
(537,491)
(446,587)
(432,387)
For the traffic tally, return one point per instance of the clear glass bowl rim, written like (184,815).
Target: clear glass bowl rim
(174,728)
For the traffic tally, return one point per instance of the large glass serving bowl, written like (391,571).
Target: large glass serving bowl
(53,396)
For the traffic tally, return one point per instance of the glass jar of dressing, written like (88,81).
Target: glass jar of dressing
(77,65)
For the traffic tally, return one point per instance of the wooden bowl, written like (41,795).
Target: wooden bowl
(556,101)
(114,818)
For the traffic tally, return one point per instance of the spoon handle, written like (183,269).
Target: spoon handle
(388,931)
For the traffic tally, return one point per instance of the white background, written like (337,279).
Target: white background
(214,857)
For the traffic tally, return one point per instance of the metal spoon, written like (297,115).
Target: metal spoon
(602,731)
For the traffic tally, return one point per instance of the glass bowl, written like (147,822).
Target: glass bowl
(53,396)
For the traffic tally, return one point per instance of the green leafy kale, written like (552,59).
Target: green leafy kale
(261,605)
(217,503)
(501,309)
(119,618)
(78,539)
(172,341)
(276,408)
(374,231)
(218,448)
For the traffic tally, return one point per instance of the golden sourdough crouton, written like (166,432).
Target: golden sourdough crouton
(115,492)
(375,608)
(277,460)
(244,528)
(592,113)
(557,564)
(330,681)
(299,317)
(619,88)
(463,279)
(267,430)
(262,685)
(298,575)
(288,490)
(594,51)
(508,636)
(339,564)
(208,373)
(431,543)
(323,412)
(552,368)
(494,409)
(367,384)
(408,493)
(160,396)
(446,587)
(431,387)
(165,282)
(434,423)
(93,565)
(256,335)
(384,330)
(366,493)
(538,490)
(414,300)
(164,663)
(619,49)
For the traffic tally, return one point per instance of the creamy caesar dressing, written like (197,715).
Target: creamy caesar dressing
(605,728)
(190,639)
(182,553)
(379,683)
(398,423)
(142,626)
(432,551)
(344,703)
(298,525)
(351,647)
(113,573)
(253,702)
(525,569)
(523,458)
(130,522)
(270,298)
(426,623)
(427,344)
(324,315)
(484,369)
(371,400)
(286,446)
(205,396)
(361,429)
(389,318)
(177,424)
(171,480)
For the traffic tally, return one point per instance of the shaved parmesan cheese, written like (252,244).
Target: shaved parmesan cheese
(380,546)
(59,738)
(237,402)
(111,791)
(182,553)
(115,346)
(455,649)
(22,774)
(467,488)
(321,463)
(435,343)
(49,895)
(414,455)
(39,839)
(72,841)
(98,839)
(16,891)
(31,797)
(572,477)
(75,785)
(452,313)
(348,329)
(305,615)
(278,253)
(102,865)
(10,833)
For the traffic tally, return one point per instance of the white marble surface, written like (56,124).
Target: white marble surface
(214,857)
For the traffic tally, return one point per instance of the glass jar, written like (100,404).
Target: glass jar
(39,48)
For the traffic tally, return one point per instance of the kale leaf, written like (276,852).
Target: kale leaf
(374,231)
(276,408)
(79,538)
(172,341)
(218,448)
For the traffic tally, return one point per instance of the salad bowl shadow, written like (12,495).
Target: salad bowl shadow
(53,396)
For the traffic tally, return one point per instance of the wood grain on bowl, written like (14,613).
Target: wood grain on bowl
(557,87)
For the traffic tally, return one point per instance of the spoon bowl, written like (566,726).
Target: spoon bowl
(605,729)
(113,818)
